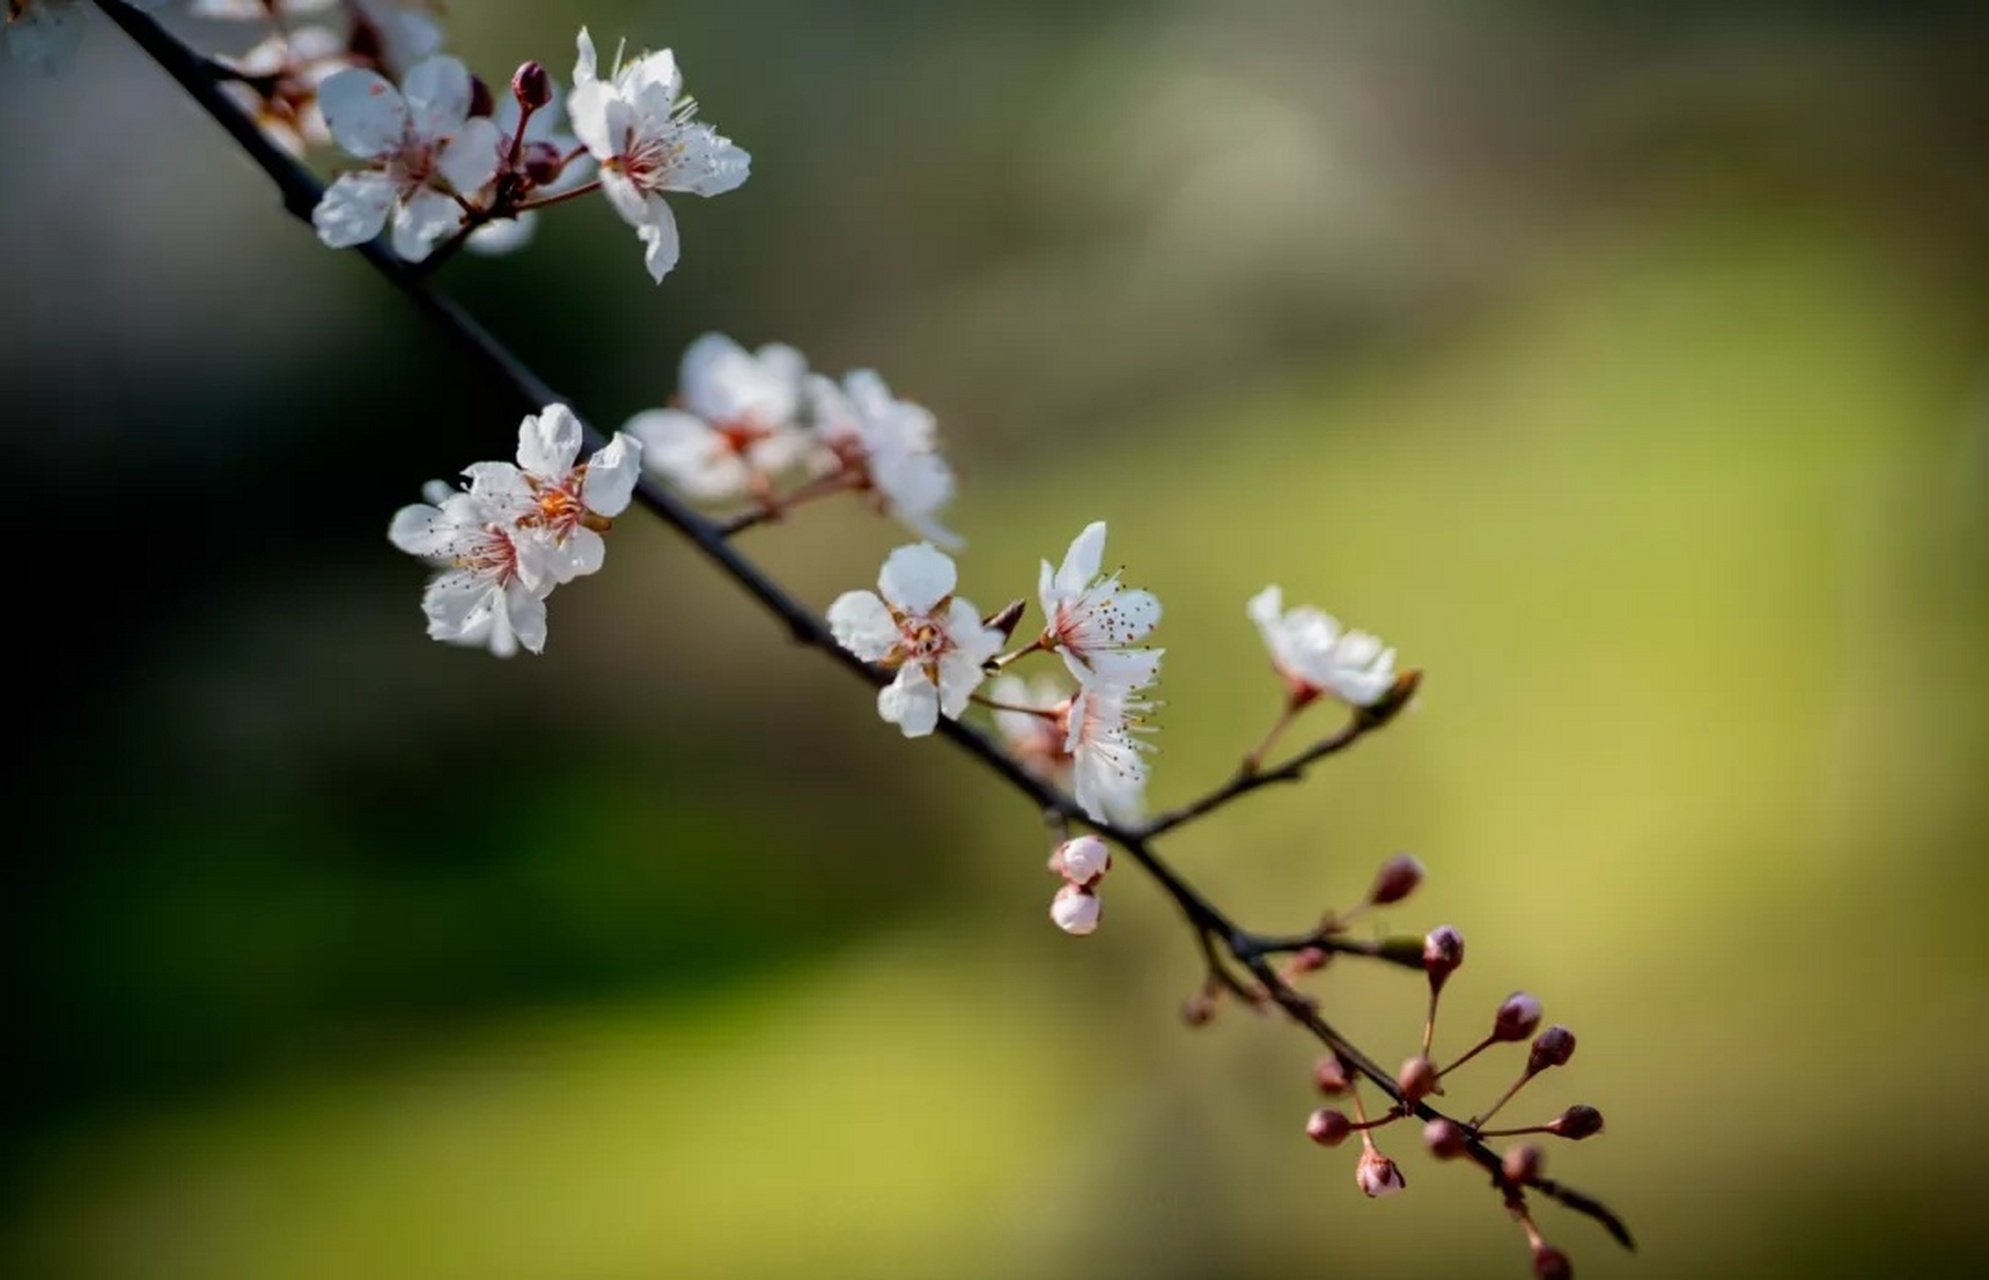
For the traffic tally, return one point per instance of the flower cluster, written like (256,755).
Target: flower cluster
(1094,623)
(517,531)
(757,426)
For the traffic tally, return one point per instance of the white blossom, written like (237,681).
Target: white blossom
(1315,656)
(1037,741)
(1075,910)
(1109,766)
(420,143)
(553,497)
(890,445)
(736,428)
(282,76)
(1092,620)
(492,591)
(642,130)
(396,35)
(1377,1174)
(934,639)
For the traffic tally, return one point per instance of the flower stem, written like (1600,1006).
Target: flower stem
(559,197)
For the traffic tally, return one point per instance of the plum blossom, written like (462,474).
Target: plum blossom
(935,640)
(889,446)
(421,143)
(736,429)
(1092,620)
(1377,1174)
(1109,766)
(1315,656)
(280,80)
(1037,741)
(553,497)
(1082,860)
(641,128)
(492,590)
(392,36)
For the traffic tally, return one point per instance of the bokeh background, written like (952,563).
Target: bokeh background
(1626,365)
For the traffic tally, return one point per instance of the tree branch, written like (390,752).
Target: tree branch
(301,191)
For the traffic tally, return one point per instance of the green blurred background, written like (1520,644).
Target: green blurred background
(1624,365)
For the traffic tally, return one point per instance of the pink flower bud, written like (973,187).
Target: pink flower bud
(1198,1009)
(1075,910)
(1443,952)
(1444,1139)
(531,86)
(1517,1018)
(1418,1079)
(1330,1075)
(1082,860)
(1576,1123)
(1396,880)
(1550,1263)
(1551,1048)
(1377,1174)
(1328,1127)
(1522,1164)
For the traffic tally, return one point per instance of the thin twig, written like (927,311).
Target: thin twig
(1214,931)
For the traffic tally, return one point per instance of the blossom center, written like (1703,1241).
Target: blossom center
(648,160)
(489,553)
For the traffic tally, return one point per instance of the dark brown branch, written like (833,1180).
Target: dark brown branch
(1215,932)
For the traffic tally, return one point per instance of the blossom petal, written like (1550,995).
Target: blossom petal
(366,115)
(503,235)
(1266,607)
(438,96)
(422,530)
(1126,668)
(526,615)
(862,624)
(1087,552)
(611,475)
(710,164)
(423,219)
(549,442)
(470,159)
(659,240)
(354,209)
(652,83)
(910,702)
(581,553)
(917,577)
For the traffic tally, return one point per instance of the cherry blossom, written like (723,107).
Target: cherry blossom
(736,429)
(640,127)
(1377,1174)
(934,639)
(1315,656)
(422,144)
(889,446)
(553,497)
(280,79)
(1109,766)
(492,591)
(1092,620)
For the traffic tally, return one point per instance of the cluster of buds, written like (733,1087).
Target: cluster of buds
(1516,1020)
(1082,862)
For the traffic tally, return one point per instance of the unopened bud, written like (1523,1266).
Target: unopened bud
(1444,1138)
(1551,1048)
(531,86)
(1418,1079)
(1396,880)
(1443,952)
(1306,960)
(1518,1017)
(1576,1123)
(1550,1263)
(1006,618)
(1377,1174)
(1330,1075)
(1075,910)
(482,105)
(1522,1164)
(1082,860)
(542,162)
(1198,1009)
(1328,1126)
